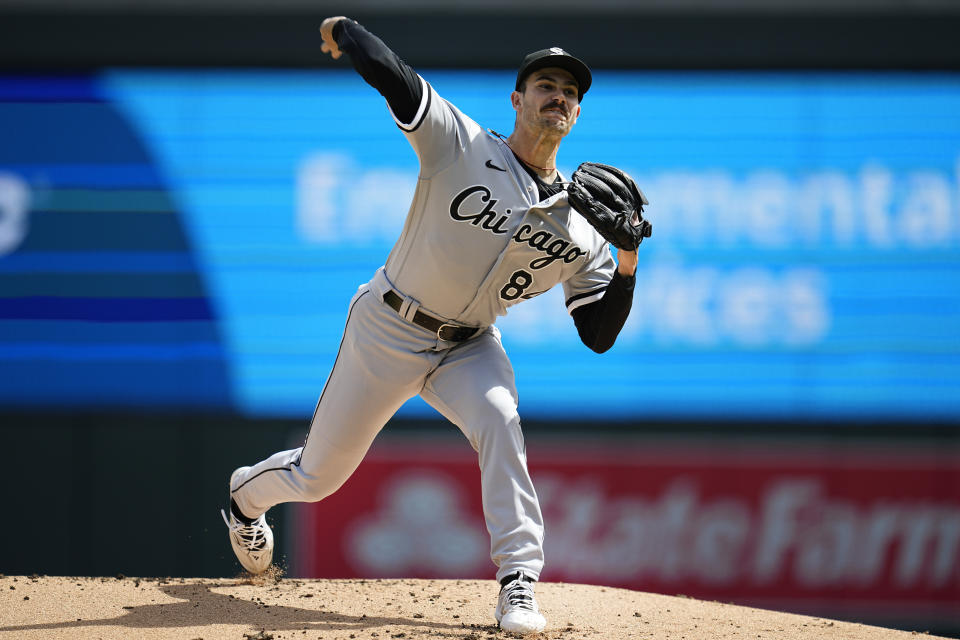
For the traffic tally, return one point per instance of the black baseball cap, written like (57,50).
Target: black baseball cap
(556,57)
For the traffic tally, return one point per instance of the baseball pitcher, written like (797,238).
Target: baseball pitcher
(492,223)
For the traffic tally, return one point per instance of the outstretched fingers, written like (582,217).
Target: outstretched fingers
(329,43)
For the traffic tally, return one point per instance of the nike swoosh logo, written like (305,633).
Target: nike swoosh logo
(490,165)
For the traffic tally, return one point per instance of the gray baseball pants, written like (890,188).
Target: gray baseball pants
(383,361)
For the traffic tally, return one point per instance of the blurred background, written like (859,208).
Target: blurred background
(190,193)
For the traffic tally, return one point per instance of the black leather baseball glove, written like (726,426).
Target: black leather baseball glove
(610,201)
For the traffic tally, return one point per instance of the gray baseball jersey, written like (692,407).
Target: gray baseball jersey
(477,240)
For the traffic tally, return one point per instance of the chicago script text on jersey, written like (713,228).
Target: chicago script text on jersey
(489,219)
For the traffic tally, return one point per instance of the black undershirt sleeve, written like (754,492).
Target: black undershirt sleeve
(599,323)
(381,68)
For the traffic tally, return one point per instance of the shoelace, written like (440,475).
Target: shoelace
(520,594)
(251,534)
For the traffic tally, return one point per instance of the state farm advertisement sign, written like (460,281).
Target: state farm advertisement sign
(786,526)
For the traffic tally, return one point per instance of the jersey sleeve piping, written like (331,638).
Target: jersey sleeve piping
(422,110)
(573,302)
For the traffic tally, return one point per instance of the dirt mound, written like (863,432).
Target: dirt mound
(271,607)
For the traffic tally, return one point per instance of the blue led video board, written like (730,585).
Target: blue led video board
(189,238)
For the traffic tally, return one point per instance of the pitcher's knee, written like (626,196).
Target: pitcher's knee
(497,400)
(499,406)
(316,483)
(497,425)
(316,488)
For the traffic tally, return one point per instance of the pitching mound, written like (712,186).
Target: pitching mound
(270,607)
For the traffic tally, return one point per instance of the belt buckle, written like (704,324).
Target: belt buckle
(452,328)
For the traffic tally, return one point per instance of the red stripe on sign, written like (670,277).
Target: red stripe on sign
(871,528)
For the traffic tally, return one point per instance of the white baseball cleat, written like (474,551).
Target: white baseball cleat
(517,610)
(252,542)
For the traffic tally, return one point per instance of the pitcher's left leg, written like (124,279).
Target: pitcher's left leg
(474,388)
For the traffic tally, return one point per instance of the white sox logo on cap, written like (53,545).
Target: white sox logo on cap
(555,57)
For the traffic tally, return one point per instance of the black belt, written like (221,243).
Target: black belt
(444,330)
